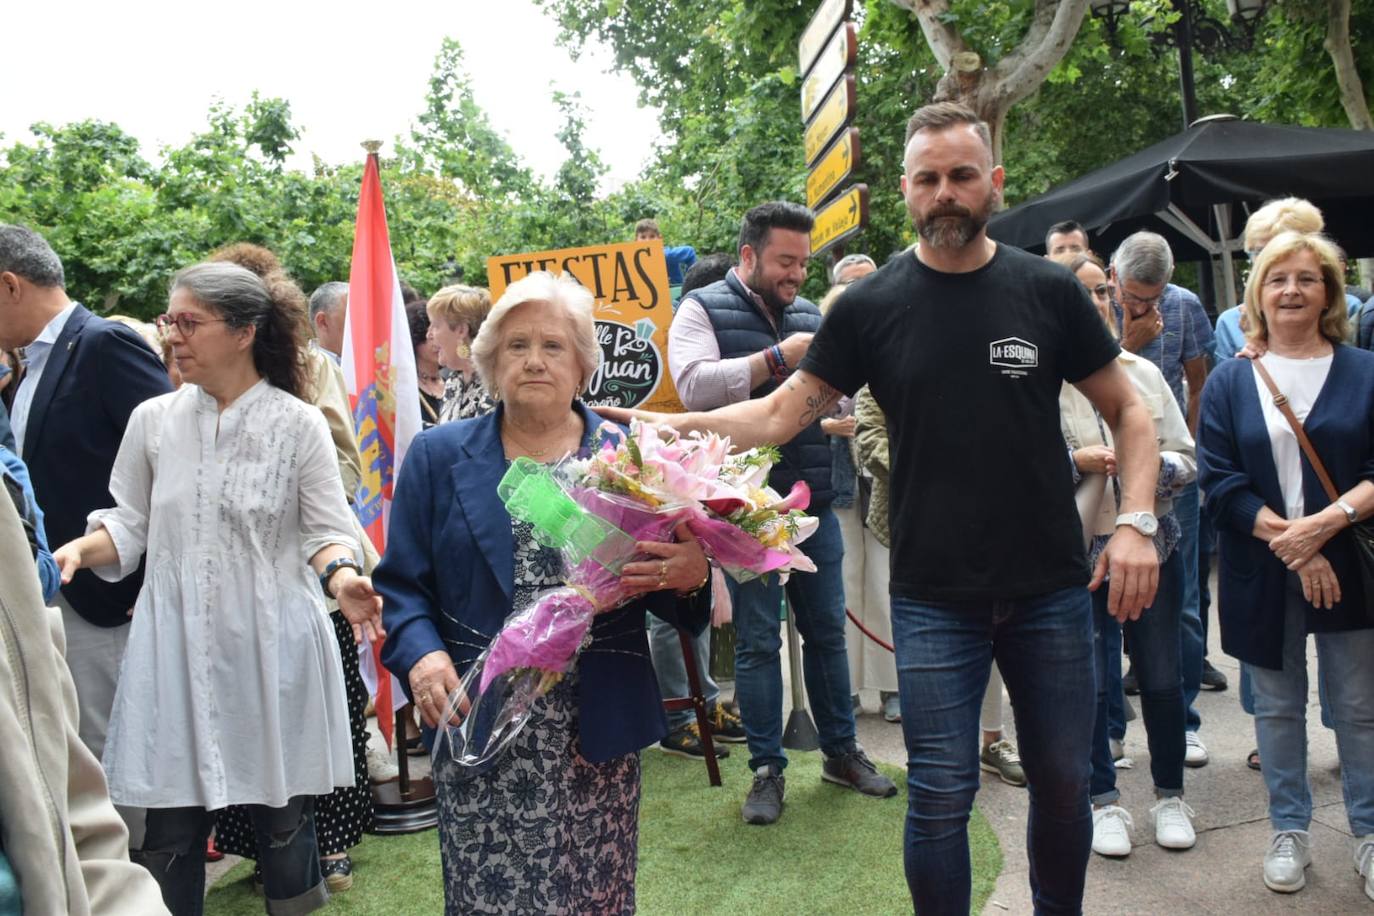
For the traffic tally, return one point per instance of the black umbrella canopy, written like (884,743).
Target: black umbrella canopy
(1237,165)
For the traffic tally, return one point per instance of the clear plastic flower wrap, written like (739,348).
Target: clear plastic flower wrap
(595,532)
(634,488)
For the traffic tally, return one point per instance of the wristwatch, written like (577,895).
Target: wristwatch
(1144,522)
(1350,513)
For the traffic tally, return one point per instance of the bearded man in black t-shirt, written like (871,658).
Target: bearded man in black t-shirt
(965,345)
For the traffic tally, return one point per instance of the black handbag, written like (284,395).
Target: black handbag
(1361,532)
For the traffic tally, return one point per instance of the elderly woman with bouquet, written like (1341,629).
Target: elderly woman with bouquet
(551,825)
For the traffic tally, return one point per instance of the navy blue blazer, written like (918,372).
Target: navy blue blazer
(447,580)
(1236,470)
(97,373)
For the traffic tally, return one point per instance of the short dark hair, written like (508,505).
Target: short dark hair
(1064,227)
(776,214)
(27,254)
(646,225)
(706,271)
(944,115)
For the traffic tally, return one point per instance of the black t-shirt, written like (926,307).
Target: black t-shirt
(967,368)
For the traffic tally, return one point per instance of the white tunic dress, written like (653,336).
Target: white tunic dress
(231,690)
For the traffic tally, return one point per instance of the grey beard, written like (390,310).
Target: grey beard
(944,232)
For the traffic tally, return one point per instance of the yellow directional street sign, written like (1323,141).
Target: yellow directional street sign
(836,57)
(833,114)
(828,15)
(840,219)
(838,163)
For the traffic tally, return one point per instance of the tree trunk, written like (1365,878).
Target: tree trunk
(1337,44)
(992,91)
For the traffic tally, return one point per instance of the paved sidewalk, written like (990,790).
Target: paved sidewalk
(1222,874)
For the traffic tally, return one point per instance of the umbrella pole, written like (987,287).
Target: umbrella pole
(1228,266)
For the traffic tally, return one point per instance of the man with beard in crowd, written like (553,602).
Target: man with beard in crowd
(965,345)
(735,340)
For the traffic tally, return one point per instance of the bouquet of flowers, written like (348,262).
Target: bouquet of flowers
(634,488)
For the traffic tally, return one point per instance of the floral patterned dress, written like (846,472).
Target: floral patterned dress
(464,397)
(543,831)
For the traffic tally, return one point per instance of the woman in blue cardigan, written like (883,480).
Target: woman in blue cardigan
(552,825)
(1288,564)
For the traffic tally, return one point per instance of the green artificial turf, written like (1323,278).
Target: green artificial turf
(833,851)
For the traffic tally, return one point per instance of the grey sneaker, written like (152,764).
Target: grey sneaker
(1286,861)
(855,770)
(1000,757)
(1364,862)
(892,707)
(764,803)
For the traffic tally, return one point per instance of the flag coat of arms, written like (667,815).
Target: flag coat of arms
(383,389)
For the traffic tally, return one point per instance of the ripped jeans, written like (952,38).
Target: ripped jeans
(174,852)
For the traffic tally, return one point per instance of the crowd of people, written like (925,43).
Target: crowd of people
(1022,468)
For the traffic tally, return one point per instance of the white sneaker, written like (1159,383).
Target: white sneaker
(1364,862)
(1112,831)
(380,768)
(1173,824)
(1195,752)
(1288,857)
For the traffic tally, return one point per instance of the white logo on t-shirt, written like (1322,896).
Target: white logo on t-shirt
(1013,355)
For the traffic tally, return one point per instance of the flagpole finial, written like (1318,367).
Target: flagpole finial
(372,146)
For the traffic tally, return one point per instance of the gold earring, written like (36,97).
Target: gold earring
(464,351)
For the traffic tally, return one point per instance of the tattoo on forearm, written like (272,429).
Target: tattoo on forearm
(817,404)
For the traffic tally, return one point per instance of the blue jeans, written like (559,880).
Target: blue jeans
(1110,657)
(1044,649)
(671,670)
(1155,652)
(1344,669)
(1194,640)
(174,852)
(817,600)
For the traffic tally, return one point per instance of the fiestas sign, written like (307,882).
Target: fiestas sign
(830,14)
(836,57)
(633,309)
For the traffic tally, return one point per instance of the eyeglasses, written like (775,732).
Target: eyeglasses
(185,323)
(1130,298)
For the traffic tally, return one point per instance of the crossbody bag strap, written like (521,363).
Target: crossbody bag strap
(1281,402)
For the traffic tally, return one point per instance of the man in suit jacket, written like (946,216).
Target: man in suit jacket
(84,377)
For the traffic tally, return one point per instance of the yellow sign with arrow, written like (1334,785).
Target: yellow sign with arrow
(838,163)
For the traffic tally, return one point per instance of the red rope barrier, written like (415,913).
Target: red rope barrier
(867,632)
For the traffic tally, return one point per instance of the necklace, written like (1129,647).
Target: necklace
(532,452)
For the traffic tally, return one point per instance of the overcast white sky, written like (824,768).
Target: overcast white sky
(351,71)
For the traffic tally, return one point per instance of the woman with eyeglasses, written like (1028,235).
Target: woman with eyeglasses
(1288,563)
(1155,642)
(231,690)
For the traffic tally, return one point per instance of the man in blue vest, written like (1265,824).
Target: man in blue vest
(736,340)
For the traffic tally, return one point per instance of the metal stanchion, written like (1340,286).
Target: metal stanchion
(800,734)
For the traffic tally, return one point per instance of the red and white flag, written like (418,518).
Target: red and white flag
(379,367)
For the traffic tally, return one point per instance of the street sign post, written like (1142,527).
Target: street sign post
(838,163)
(833,114)
(840,219)
(835,58)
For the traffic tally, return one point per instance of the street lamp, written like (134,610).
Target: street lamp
(1194,28)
